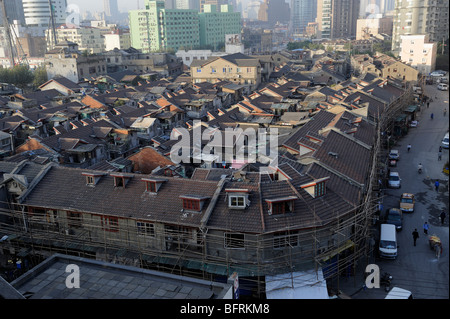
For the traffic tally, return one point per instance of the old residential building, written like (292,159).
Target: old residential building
(67,61)
(236,68)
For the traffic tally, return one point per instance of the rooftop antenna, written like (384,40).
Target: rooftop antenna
(7,33)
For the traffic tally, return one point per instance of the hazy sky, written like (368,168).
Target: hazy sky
(97,5)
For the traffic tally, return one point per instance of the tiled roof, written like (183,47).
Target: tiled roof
(354,164)
(66,189)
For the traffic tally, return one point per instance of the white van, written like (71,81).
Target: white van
(388,241)
(399,293)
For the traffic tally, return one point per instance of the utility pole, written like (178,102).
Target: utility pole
(7,33)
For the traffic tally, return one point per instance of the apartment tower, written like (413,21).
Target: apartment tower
(420,17)
(337,18)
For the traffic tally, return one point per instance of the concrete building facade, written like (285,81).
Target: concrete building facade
(419,52)
(337,18)
(420,17)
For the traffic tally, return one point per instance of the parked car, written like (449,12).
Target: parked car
(407,202)
(394,180)
(438,73)
(413,124)
(444,142)
(394,217)
(442,80)
(442,87)
(394,155)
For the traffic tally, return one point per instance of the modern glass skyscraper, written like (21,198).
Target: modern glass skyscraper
(37,12)
(302,12)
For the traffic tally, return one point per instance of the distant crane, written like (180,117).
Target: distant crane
(7,33)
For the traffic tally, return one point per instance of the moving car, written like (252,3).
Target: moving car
(445,141)
(407,202)
(442,87)
(394,217)
(394,180)
(394,155)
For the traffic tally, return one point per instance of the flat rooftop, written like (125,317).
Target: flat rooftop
(103,280)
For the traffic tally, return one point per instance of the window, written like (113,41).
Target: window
(213,70)
(110,223)
(90,180)
(146,229)
(234,241)
(236,202)
(151,187)
(74,219)
(191,204)
(199,70)
(282,207)
(285,239)
(319,190)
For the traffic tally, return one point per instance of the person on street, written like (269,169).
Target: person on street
(415,235)
(439,155)
(436,185)
(440,148)
(409,147)
(442,216)
(425,228)
(432,116)
(428,105)
(445,111)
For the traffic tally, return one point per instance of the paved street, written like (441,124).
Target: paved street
(416,268)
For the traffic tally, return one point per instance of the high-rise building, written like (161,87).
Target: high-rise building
(217,3)
(420,17)
(215,24)
(37,12)
(302,12)
(159,29)
(337,18)
(156,28)
(14,11)
(111,8)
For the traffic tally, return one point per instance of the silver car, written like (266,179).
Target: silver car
(394,180)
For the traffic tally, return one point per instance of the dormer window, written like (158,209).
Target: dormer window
(152,185)
(281,205)
(92,178)
(237,198)
(316,188)
(121,180)
(193,202)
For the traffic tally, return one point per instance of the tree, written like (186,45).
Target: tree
(40,76)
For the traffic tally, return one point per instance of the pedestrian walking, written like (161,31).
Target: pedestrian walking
(432,116)
(436,185)
(425,228)
(442,216)
(409,147)
(440,148)
(439,155)
(415,235)
(428,105)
